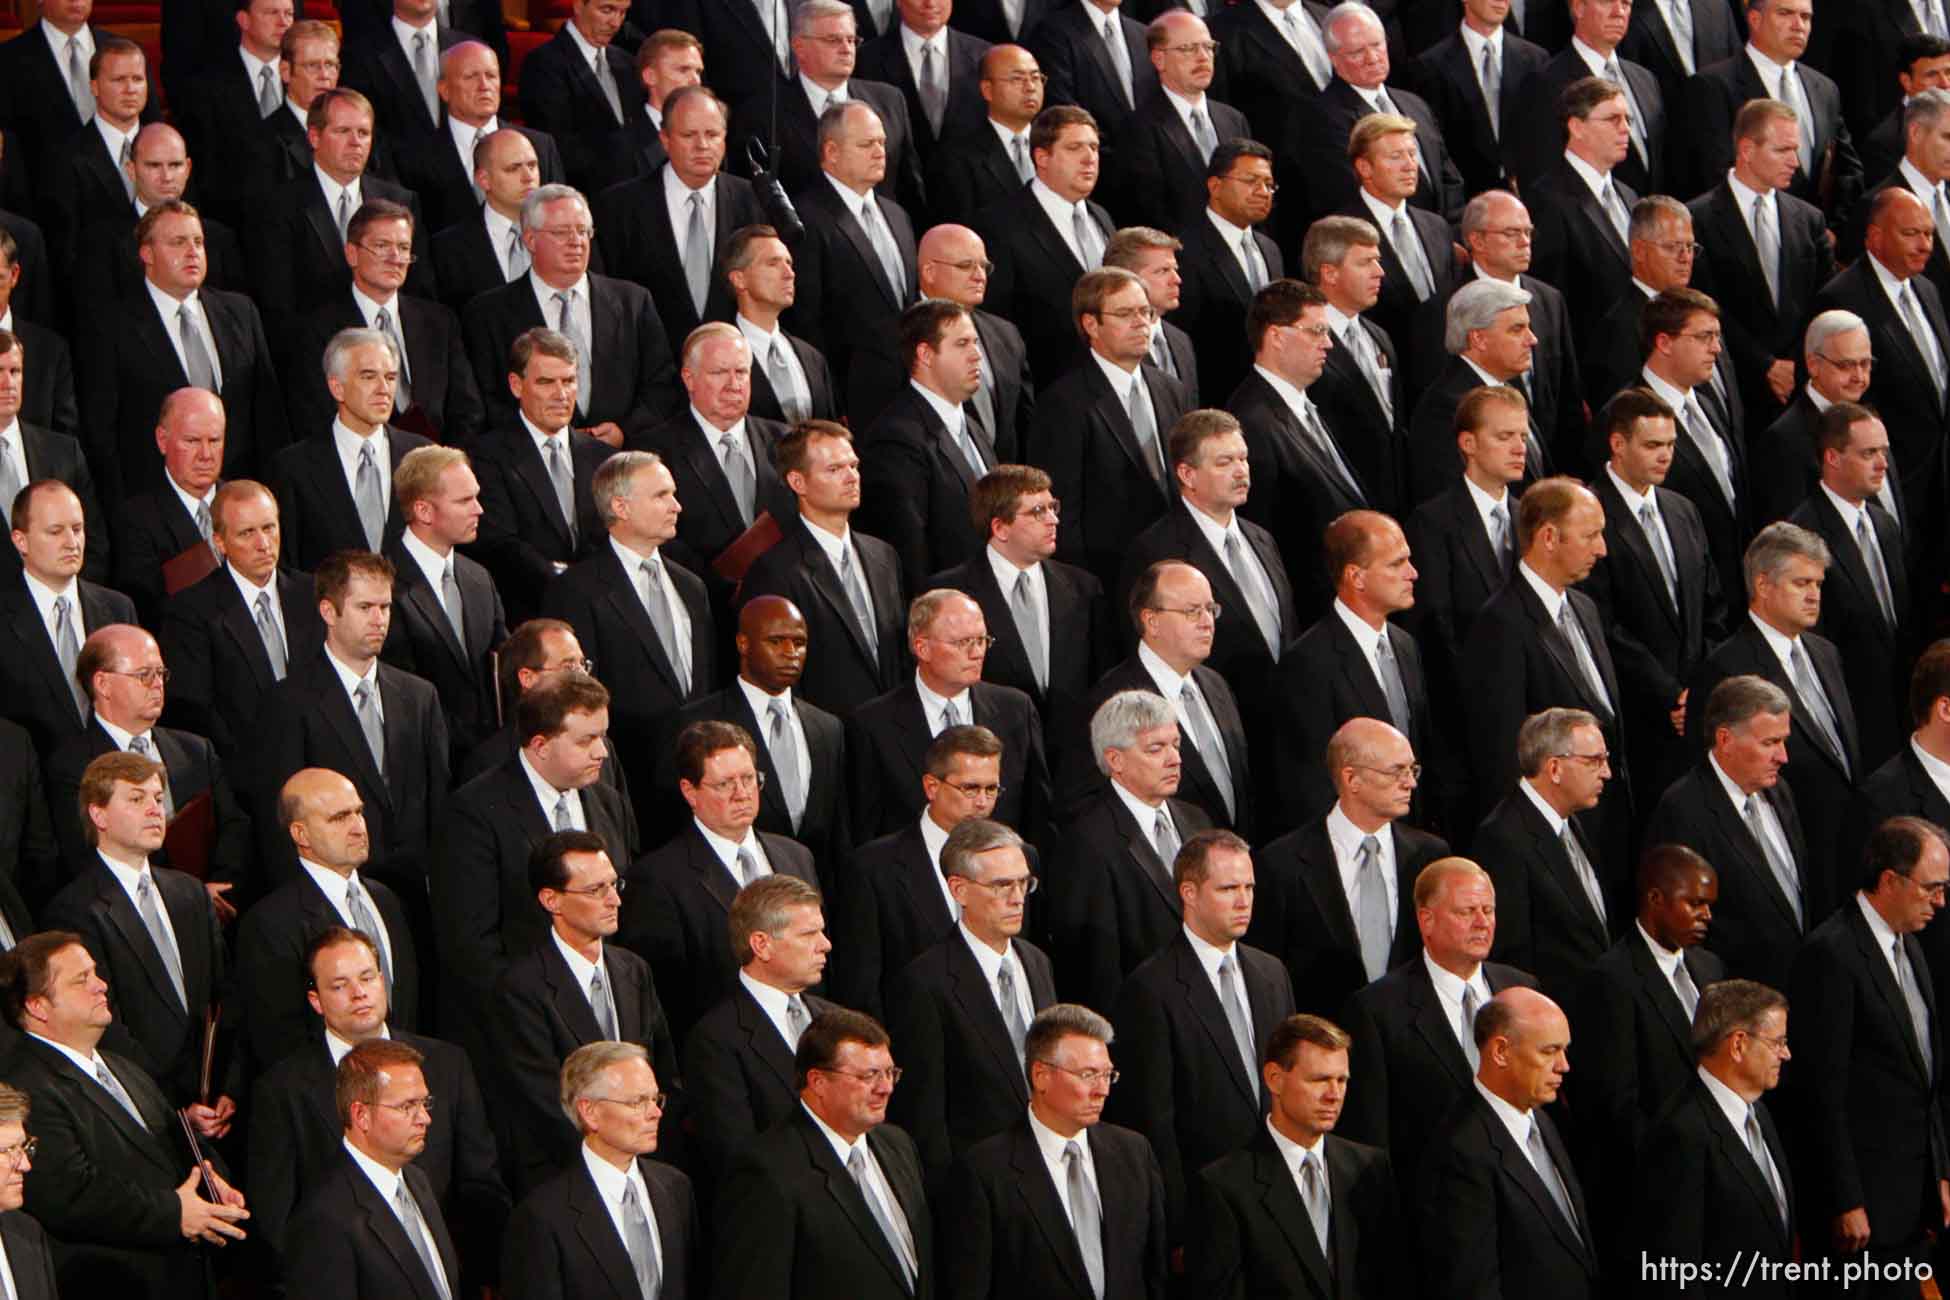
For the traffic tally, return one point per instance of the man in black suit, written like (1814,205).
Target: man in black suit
(1635,1009)
(1271,61)
(436,391)
(1839,357)
(125,679)
(232,635)
(449,618)
(1582,208)
(106,1184)
(1049,620)
(1906,785)
(1413,1047)
(561,1239)
(1828,173)
(1673,41)
(1921,62)
(1559,896)
(664,231)
(887,737)
(327,826)
(1868,1133)
(1165,152)
(35,453)
(1194,1016)
(221,77)
(936,68)
(962,1007)
(1765,274)
(1352,663)
(584,91)
(1735,809)
(139,356)
(669,59)
(483,250)
(1418,250)
(385,1109)
(28,1258)
(279,148)
(334,486)
(28,848)
(1451,75)
(801,747)
(1714,1176)
(1538,136)
(1867,610)
(682,891)
(1910,335)
(644,619)
(397,67)
(1361,393)
(923,453)
(1047,234)
(50,610)
(1488,336)
(954,266)
(829,1203)
(845,583)
(48,398)
(157,529)
(345,710)
(738,1057)
(1502,1206)
(626,380)
(439,168)
(1657,587)
(480,874)
(49,98)
(85,180)
(1224,261)
(295,1137)
(1013,1195)
(1921,168)
(1335,897)
(856,265)
(1152,256)
(1785,567)
(1095,59)
(790,378)
(297,245)
(1101,429)
(1112,900)
(1662,256)
(154,931)
(988,160)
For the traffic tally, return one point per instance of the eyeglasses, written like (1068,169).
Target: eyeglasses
(1192,47)
(1516,234)
(1861,367)
(1043,513)
(19,1151)
(1130,313)
(1088,1078)
(615,887)
(968,265)
(1677,247)
(642,1103)
(1398,773)
(1024,885)
(968,645)
(1211,608)
(889,1074)
(1778,1045)
(973,791)
(390,252)
(569,234)
(1711,338)
(838,42)
(1257,183)
(408,1109)
(1600,759)
(318,66)
(749,783)
(1024,79)
(150,677)
(1315,332)
(573,666)
(1937,890)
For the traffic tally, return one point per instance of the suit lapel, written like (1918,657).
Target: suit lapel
(1735,828)
(1211,1016)
(1884,980)
(826,581)
(1735,1151)
(383,1222)
(623,598)
(121,914)
(977,1002)
(851,1200)
(1432,1021)
(1659,992)
(1517,1167)
(1038,1192)
(1321,875)
(763,1038)
(711,873)
(597,1232)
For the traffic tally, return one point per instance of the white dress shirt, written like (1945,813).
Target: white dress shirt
(547,796)
(1449,990)
(130,879)
(44,597)
(727,850)
(1051,1145)
(167,308)
(335,888)
(349,445)
(350,681)
(1063,215)
(991,963)
(610,1184)
(1345,839)
(773,1002)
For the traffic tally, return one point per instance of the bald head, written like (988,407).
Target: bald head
(470,83)
(159,164)
(1900,233)
(190,436)
(771,643)
(1487,222)
(326,819)
(120,666)
(506,169)
(1524,1040)
(953,265)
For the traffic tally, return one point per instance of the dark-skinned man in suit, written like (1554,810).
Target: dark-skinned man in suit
(556,1243)
(1194,1015)
(1413,1049)
(1635,1007)
(1300,1210)
(1224,260)
(963,1006)
(829,1203)
(1013,1195)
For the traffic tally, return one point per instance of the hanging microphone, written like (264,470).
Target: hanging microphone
(771,195)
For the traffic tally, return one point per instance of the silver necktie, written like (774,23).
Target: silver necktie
(1019,154)
(1029,625)
(1414,258)
(1493,89)
(367,707)
(1769,1172)
(603,1005)
(1260,601)
(969,443)
(269,92)
(1692,417)
(1239,1018)
(78,88)
(1655,533)
(1940,214)
(426,75)
(196,358)
(856,595)
(1553,1178)
(1089,241)
(1682,33)
(567,321)
(1865,537)
(267,628)
(1120,56)
(785,387)
(562,478)
(738,475)
(1086,1216)
(1567,623)
(1621,220)
(1820,710)
(981,403)
(1313,1192)
(10,484)
(697,254)
(747,866)
(421,1236)
(1500,533)
(366,922)
(796,1020)
(343,217)
(140,745)
(1933,20)
(1471,1004)
(122,167)
(637,1240)
(1788,91)
(1767,245)
(1144,427)
(1921,333)
(1919,1013)
(606,82)
(564,816)
(1581,868)
(152,921)
(386,324)
(1375,926)
(203,520)
(1164,838)
(1684,988)
(451,603)
(883,247)
(518,259)
(784,748)
(1005,990)
(369,496)
(1255,264)
(1329,450)
(1392,685)
(781,40)
(67,648)
(893,1223)
(106,1077)
(1776,854)
(1362,348)
(951,716)
(656,602)
(1616,76)
(1202,134)
(1205,738)
(1161,353)
(1312,53)
(933,89)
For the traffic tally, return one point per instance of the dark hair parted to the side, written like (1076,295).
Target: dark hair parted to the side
(548,861)
(363,1071)
(24,970)
(544,709)
(820,1043)
(1897,845)
(1282,1046)
(697,742)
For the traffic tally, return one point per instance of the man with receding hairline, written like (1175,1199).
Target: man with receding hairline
(440,167)
(105,264)
(953,264)
(483,250)
(988,160)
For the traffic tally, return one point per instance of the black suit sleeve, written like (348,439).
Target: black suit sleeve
(1459,1226)
(80,1191)
(754,1214)
(531,1256)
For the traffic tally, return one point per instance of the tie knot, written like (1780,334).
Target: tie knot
(777,710)
(1370,847)
(1072,1150)
(264,602)
(60,607)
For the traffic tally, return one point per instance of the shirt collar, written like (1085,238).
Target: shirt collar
(350,444)
(1292,1154)
(1227,231)
(1145,815)
(1770,71)
(760,702)
(1781,644)
(1450,985)
(166,304)
(89,1064)
(1485,503)
(1593,179)
(1933,767)
(1384,214)
(1169,681)
(350,678)
(758,336)
(1555,819)
(333,189)
(727,850)
(250,591)
(986,957)
(370,307)
(545,293)
(190,503)
(463,136)
(1120,378)
(119,736)
(1209,956)
(932,703)
(1731,1103)
(611,1181)
(1365,635)
(1892,284)
(1051,1144)
(1184,106)
(1734,793)
(934,838)
(1519,1122)
(1884,936)
(817,95)
(432,565)
(589,51)
(539,437)
(1552,598)
(679,194)
(841,1147)
(1631,495)
(1217,535)
(1846,510)
(913,42)
(1005,570)
(1671,396)
(340,1049)
(1346,837)
(579,966)
(1666,959)
(1009,137)
(1592,59)
(1474,41)
(1918,182)
(950,414)
(1295,397)
(330,883)
(383,1179)
(1744,196)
